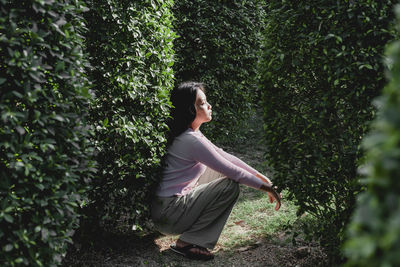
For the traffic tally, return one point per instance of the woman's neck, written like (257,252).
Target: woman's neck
(195,126)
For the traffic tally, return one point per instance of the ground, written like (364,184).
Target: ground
(255,235)
(263,252)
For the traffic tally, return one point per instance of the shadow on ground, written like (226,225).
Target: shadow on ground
(153,250)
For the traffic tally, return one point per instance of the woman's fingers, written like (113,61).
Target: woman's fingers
(277,198)
(278,201)
(278,205)
(272,195)
(271,198)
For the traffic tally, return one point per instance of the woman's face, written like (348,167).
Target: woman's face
(203,108)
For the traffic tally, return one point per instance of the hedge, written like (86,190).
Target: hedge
(129,44)
(322,66)
(45,155)
(374,231)
(218,43)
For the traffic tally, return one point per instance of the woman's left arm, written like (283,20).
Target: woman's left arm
(235,160)
(238,162)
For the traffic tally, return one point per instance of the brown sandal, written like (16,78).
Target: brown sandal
(185,251)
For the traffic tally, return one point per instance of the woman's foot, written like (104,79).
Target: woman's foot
(204,251)
(191,251)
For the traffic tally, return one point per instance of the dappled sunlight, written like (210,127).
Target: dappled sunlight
(163,241)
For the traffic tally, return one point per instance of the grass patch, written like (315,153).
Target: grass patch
(254,218)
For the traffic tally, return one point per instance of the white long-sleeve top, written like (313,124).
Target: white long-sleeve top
(187,158)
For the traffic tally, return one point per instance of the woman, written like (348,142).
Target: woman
(182,206)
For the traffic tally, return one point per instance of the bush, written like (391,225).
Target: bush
(374,232)
(219,45)
(322,66)
(44,149)
(131,57)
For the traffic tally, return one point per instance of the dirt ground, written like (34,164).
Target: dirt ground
(154,251)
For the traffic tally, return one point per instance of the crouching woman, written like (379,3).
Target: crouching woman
(184,206)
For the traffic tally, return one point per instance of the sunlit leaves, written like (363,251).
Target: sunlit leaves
(131,58)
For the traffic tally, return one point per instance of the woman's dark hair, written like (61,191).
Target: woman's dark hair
(183,112)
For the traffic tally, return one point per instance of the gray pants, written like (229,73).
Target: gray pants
(199,216)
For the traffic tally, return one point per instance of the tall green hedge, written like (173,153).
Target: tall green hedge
(44,149)
(218,44)
(374,232)
(322,66)
(130,48)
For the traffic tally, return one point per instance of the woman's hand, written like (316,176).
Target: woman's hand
(272,194)
(271,191)
(267,181)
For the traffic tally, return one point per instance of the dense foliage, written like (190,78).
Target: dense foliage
(130,50)
(374,233)
(44,152)
(322,66)
(218,44)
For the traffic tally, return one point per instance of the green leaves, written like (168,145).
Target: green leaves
(317,100)
(130,48)
(373,234)
(45,153)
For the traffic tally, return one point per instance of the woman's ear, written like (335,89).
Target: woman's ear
(193,109)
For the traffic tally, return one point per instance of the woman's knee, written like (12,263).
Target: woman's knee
(232,188)
(235,188)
